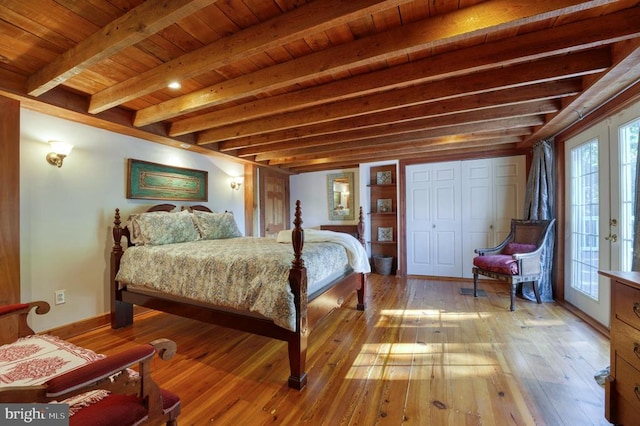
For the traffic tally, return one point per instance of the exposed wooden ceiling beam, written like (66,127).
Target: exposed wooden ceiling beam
(423,154)
(136,25)
(514,96)
(349,154)
(389,101)
(313,17)
(527,47)
(473,21)
(451,121)
(387,143)
(624,73)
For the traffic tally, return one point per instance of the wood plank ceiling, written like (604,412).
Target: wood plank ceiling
(314,85)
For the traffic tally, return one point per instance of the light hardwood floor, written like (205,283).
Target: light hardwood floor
(421,354)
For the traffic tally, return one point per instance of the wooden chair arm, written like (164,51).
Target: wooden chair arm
(165,348)
(529,263)
(488,251)
(41,306)
(22,310)
(98,374)
(492,250)
(14,394)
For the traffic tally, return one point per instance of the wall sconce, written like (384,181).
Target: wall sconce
(60,150)
(236,183)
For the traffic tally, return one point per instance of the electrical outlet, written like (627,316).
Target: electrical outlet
(60,297)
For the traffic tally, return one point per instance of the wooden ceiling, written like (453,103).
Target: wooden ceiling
(315,85)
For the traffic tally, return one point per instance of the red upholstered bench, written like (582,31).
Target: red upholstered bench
(100,390)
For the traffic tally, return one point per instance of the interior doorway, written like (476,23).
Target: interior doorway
(275,214)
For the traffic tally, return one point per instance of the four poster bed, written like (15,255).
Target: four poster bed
(310,290)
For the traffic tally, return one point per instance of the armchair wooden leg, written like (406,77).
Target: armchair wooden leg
(536,291)
(513,297)
(475,285)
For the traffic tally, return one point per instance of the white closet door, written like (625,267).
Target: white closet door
(477,212)
(447,220)
(510,183)
(433,229)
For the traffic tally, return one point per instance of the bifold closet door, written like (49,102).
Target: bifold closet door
(433,219)
(492,194)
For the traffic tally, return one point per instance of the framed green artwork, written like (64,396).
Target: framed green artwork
(159,182)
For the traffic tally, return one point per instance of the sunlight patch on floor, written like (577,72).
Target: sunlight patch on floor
(440,359)
(544,323)
(427,318)
(419,313)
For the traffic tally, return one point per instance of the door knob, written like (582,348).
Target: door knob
(612,237)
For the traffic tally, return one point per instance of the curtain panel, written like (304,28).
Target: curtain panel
(539,204)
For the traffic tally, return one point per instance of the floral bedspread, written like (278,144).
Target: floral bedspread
(247,273)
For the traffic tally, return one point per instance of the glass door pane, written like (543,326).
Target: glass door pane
(628,146)
(585,215)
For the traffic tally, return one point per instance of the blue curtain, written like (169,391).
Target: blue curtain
(539,204)
(635,262)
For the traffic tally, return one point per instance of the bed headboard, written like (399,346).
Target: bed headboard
(356,231)
(200,207)
(345,229)
(161,208)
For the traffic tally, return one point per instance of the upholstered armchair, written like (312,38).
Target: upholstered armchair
(100,390)
(516,260)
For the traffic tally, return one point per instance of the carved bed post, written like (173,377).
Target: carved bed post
(297,344)
(121,312)
(363,278)
(361,228)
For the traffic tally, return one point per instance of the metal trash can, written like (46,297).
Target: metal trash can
(383,264)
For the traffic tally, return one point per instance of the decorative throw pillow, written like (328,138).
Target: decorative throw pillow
(166,228)
(133,224)
(215,226)
(513,248)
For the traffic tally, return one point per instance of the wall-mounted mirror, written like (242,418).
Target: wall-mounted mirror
(340,196)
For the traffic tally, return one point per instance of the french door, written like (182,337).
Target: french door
(600,166)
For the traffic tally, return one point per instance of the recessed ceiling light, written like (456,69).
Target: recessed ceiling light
(185,145)
(174,85)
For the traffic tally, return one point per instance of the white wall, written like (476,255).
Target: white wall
(66,214)
(311,190)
